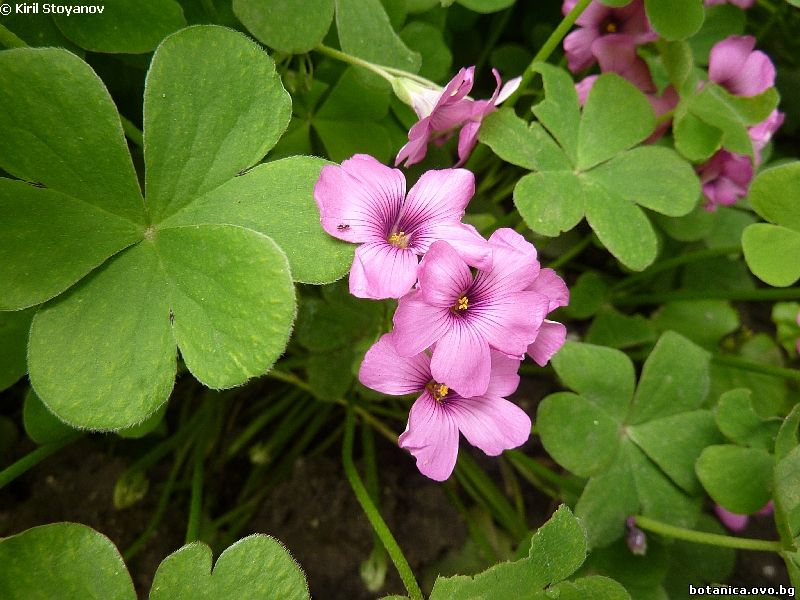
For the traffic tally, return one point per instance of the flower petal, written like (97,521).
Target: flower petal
(465,240)
(727,57)
(384,370)
(549,340)
(617,54)
(468,138)
(381,270)
(359,200)
(438,197)
(443,275)
(417,324)
(508,238)
(578,48)
(491,424)
(461,360)
(549,284)
(417,147)
(510,324)
(432,438)
(504,377)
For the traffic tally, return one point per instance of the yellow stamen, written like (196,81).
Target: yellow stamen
(437,390)
(611,28)
(399,239)
(461,304)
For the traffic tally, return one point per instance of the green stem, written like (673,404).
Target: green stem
(527,465)
(548,47)
(378,524)
(163,502)
(701,537)
(30,460)
(758,294)
(747,365)
(9,39)
(259,423)
(290,378)
(354,60)
(196,499)
(571,253)
(132,132)
(671,263)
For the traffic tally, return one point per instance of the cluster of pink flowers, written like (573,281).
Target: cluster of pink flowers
(468,312)
(610,37)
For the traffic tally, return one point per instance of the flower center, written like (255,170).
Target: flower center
(437,390)
(461,305)
(399,239)
(611,27)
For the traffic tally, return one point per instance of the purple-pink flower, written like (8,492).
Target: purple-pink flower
(365,202)
(442,113)
(725,178)
(488,421)
(738,522)
(552,334)
(467,316)
(735,65)
(761,133)
(599,22)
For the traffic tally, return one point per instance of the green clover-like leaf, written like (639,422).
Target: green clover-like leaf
(592,167)
(85,565)
(638,449)
(257,566)
(773,195)
(200,264)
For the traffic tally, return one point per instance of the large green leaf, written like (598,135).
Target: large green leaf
(257,567)
(426,39)
(235,112)
(557,549)
(774,195)
(550,202)
(365,31)
(590,443)
(674,379)
(602,375)
(59,127)
(521,144)
(124,26)
(640,457)
(559,112)
(111,334)
(14,327)
(231,300)
(40,424)
(50,241)
(292,26)
(277,199)
(622,227)
(63,560)
(766,247)
(616,116)
(673,193)
(675,19)
(739,479)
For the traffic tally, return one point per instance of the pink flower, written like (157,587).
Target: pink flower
(488,421)
(552,334)
(725,178)
(739,3)
(442,113)
(737,522)
(364,202)
(761,133)
(599,22)
(734,65)
(467,317)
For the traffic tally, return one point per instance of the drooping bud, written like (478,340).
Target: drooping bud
(635,538)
